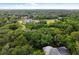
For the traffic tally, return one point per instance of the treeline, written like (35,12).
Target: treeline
(39,14)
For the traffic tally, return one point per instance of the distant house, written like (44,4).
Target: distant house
(26,19)
(60,18)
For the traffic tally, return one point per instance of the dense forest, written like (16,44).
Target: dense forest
(39,14)
(55,28)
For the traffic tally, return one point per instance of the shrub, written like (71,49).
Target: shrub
(22,50)
(5,49)
(68,30)
(46,39)
(75,35)
(70,44)
(38,52)
(77,47)
(20,40)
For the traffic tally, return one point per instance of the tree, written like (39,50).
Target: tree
(68,30)
(22,50)
(75,35)
(5,49)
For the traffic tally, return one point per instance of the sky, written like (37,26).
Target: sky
(39,5)
(39,1)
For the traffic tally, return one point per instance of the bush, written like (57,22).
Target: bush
(5,49)
(42,21)
(75,35)
(20,40)
(38,52)
(35,25)
(46,39)
(3,21)
(13,26)
(70,44)
(22,50)
(77,47)
(68,30)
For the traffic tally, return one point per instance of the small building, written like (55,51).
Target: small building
(26,19)
(60,18)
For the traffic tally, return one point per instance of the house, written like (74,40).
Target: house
(26,19)
(60,18)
